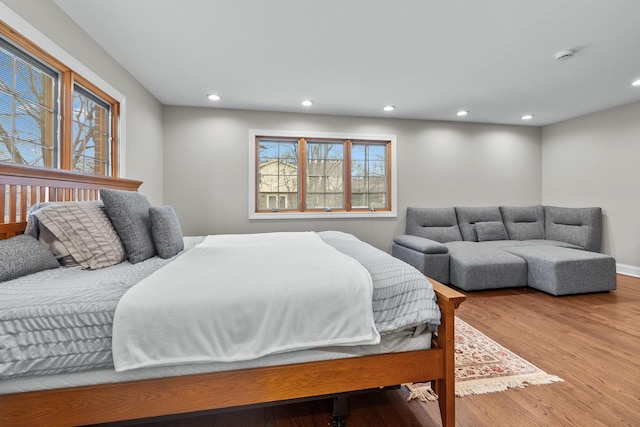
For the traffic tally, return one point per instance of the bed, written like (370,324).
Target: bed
(189,392)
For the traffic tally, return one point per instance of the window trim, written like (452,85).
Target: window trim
(253,133)
(22,34)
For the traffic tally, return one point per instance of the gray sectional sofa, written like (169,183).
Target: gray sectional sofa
(553,249)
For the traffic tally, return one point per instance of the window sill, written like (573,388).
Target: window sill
(322,215)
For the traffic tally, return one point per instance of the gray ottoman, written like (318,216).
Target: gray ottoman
(564,271)
(474,267)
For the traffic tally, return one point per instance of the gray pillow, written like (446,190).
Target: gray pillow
(491,230)
(129,214)
(84,231)
(166,231)
(22,255)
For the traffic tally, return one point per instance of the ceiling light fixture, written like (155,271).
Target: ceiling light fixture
(307,103)
(527,117)
(389,108)
(636,83)
(214,97)
(462,113)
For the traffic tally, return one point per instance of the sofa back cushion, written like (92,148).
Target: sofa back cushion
(437,224)
(579,226)
(523,222)
(468,216)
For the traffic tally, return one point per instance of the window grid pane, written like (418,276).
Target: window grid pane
(325,175)
(277,174)
(91,133)
(369,180)
(28,124)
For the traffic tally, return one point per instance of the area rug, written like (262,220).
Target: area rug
(484,366)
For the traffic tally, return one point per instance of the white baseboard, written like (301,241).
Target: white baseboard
(629,270)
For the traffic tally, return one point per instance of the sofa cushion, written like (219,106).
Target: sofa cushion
(420,244)
(500,244)
(474,266)
(557,243)
(437,224)
(491,230)
(579,226)
(523,222)
(563,271)
(468,216)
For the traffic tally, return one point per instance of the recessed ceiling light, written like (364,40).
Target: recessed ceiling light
(214,97)
(527,117)
(563,55)
(307,103)
(389,108)
(462,113)
(636,83)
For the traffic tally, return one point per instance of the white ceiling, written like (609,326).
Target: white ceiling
(429,58)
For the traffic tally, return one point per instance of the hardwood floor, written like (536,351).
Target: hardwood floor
(591,341)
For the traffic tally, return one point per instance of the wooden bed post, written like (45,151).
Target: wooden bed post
(448,300)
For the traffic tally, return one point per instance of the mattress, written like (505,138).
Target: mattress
(59,321)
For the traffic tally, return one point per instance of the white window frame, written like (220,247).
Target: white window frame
(253,133)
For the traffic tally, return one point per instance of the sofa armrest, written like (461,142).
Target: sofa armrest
(420,244)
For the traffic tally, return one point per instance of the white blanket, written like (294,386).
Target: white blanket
(240,297)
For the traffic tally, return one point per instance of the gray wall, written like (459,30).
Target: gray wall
(439,164)
(143,137)
(593,161)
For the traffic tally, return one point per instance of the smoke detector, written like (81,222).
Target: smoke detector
(563,55)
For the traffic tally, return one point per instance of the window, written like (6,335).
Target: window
(307,174)
(50,116)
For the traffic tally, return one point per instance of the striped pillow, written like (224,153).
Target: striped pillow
(85,231)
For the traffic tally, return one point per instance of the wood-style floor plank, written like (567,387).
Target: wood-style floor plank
(591,341)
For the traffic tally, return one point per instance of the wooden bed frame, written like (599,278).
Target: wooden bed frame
(20,187)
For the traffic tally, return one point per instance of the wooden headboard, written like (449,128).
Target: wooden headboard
(23,186)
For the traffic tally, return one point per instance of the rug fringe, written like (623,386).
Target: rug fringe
(494,385)
(421,391)
(424,393)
